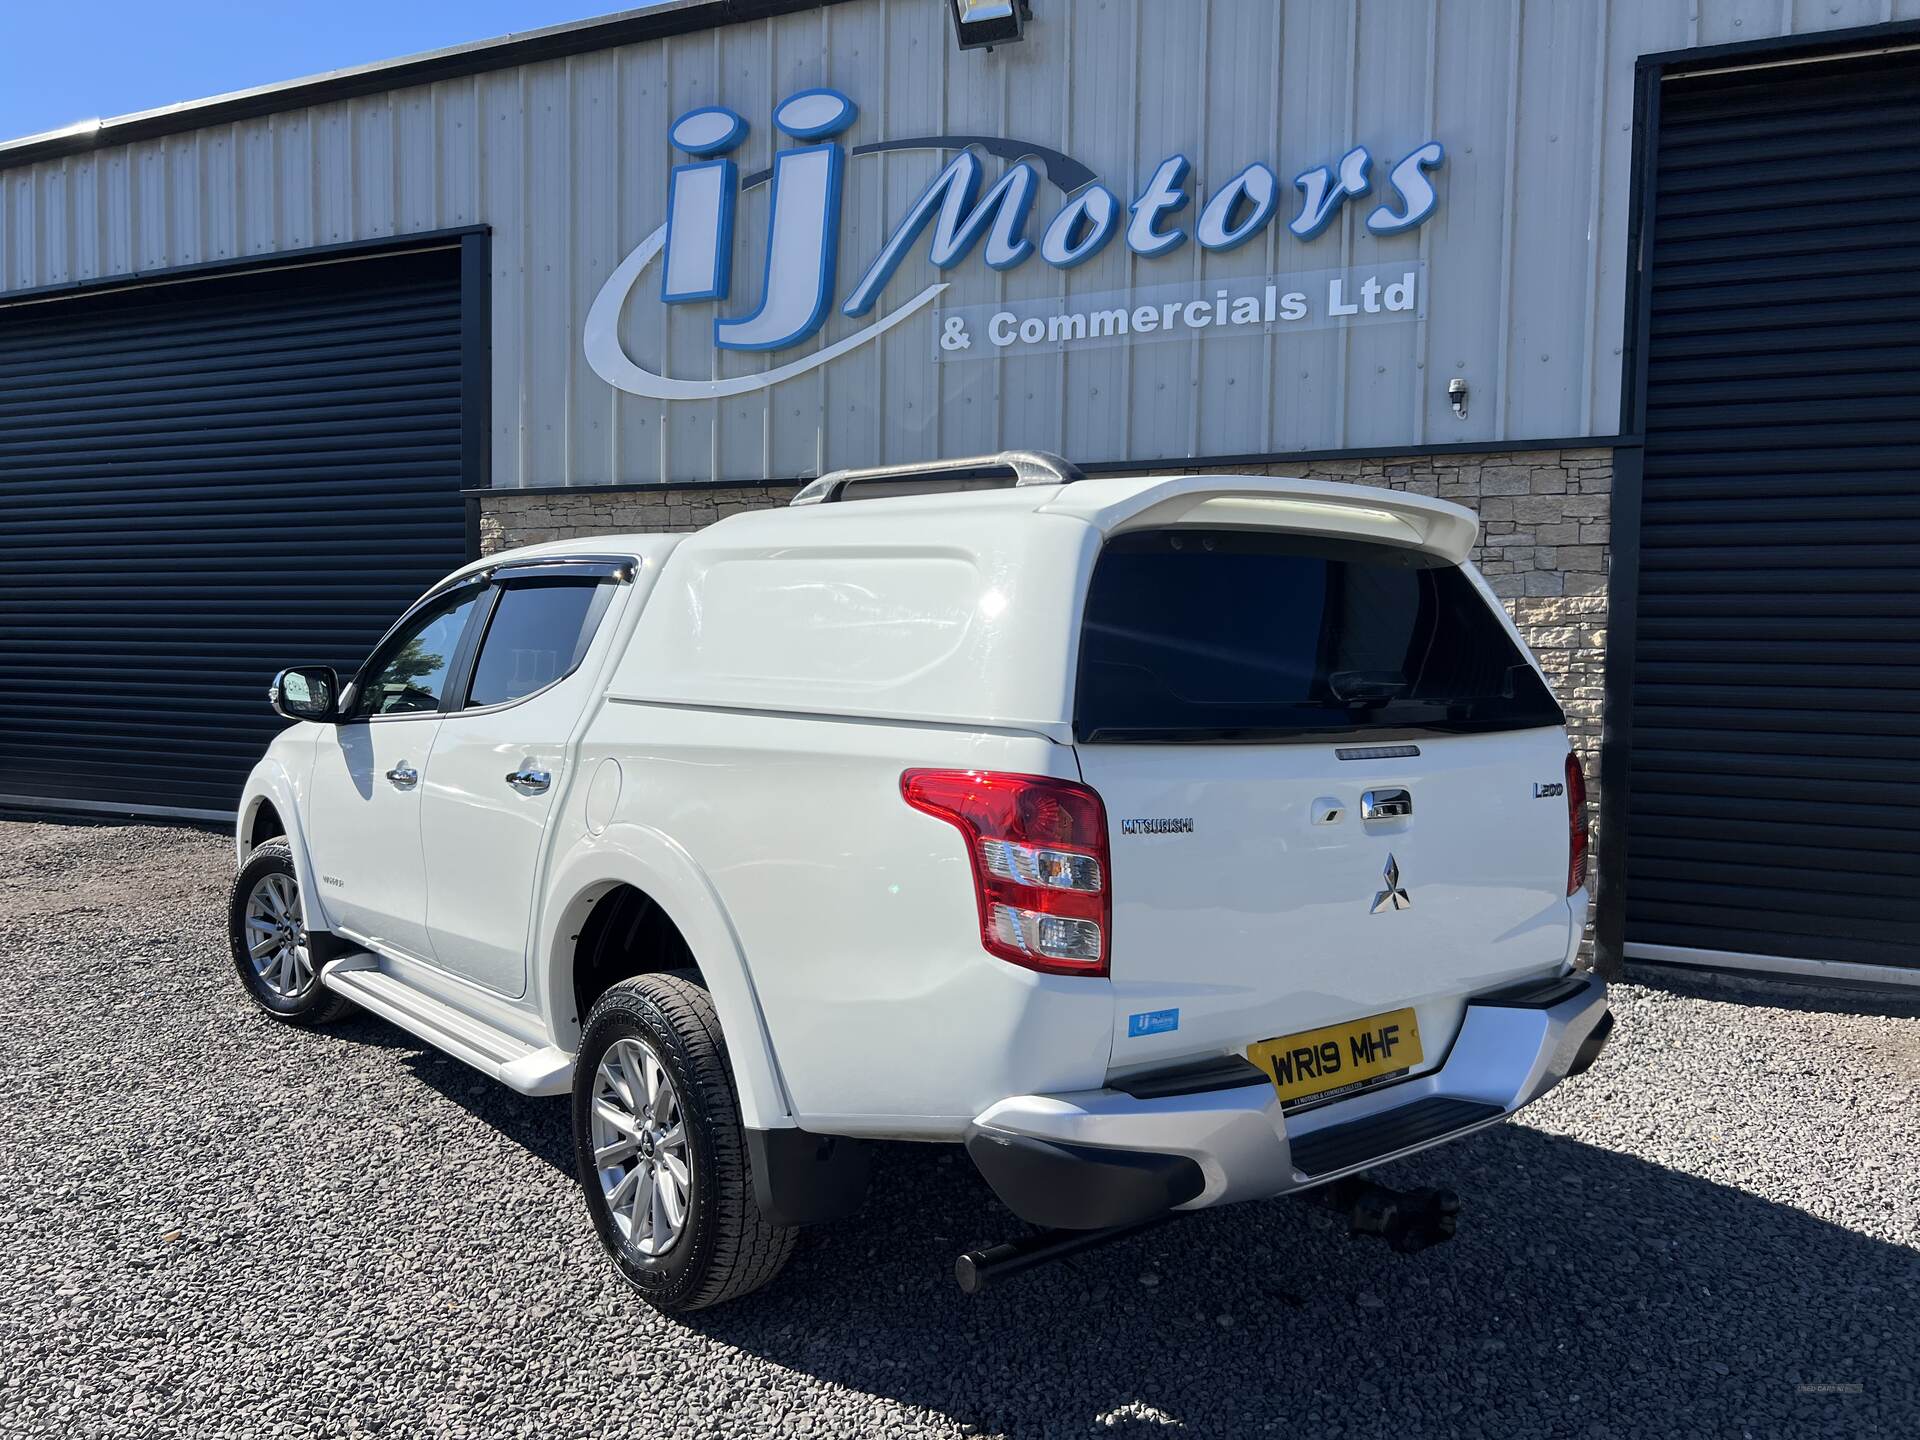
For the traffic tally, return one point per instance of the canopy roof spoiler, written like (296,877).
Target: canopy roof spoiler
(1316,507)
(1003,470)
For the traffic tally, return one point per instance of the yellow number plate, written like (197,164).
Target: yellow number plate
(1317,1063)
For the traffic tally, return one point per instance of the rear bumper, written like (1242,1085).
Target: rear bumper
(1094,1158)
(1079,1187)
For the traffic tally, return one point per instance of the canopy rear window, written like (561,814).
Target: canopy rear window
(1243,635)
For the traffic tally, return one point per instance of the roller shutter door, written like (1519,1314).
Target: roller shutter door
(202,481)
(1774,792)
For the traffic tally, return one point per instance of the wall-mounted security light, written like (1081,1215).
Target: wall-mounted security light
(988,23)
(1457,397)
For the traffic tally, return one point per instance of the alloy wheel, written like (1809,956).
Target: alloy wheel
(276,937)
(640,1147)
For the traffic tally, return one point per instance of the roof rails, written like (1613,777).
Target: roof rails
(1004,470)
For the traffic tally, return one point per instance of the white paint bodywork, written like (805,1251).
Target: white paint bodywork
(732,746)
(367,830)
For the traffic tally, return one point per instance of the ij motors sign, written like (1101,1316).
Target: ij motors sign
(1044,206)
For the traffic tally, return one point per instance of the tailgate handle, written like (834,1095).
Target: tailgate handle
(1386,805)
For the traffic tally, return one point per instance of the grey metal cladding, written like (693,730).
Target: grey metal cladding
(566,159)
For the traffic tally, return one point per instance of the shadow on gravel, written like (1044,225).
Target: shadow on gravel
(538,1126)
(1588,1293)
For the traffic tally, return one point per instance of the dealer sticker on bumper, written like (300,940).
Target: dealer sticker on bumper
(1334,1059)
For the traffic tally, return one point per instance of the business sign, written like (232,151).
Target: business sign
(1197,310)
(1045,206)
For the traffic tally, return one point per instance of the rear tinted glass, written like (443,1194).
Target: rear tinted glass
(1245,635)
(538,633)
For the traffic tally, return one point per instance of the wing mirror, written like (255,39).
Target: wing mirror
(306,692)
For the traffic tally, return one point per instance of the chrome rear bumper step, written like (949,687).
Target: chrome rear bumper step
(1342,1147)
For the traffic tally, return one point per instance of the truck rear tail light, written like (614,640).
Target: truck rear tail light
(1054,937)
(1576,824)
(1038,849)
(1041,865)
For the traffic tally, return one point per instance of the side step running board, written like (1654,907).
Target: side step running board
(1362,1142)
(530,1069)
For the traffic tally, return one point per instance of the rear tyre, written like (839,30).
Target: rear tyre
(660,1151)
(272,950)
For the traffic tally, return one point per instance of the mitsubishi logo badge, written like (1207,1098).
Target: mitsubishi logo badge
(1394,897)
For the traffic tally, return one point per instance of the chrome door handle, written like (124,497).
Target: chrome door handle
(529,782)
(404,775)
(1386,805)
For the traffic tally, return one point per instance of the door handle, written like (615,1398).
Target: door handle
(404,776)
(1386,805)
(530,782)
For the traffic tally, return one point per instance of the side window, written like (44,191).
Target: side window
(539,631)
(411,672)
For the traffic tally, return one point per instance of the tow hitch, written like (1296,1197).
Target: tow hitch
(1408,1220)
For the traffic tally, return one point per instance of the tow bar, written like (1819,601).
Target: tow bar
(1408,1220)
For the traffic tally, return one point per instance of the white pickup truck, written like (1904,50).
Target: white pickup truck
(1166,841)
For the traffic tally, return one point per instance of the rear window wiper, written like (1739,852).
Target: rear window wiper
(1361,688)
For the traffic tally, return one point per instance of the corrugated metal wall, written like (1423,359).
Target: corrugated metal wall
(568,161)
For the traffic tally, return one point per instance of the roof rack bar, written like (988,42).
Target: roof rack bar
(1026,467)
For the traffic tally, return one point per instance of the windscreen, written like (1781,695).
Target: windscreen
(1247,635)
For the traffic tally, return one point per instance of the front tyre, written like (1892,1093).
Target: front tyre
(272,951)
(660,1151)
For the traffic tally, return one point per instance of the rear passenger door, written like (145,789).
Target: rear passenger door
(499,764)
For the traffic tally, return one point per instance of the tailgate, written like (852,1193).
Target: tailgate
(1334,782)
(1241,905)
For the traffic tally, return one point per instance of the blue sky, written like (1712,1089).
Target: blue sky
(68,60)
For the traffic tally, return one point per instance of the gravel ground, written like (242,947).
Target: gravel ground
(216,1225)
